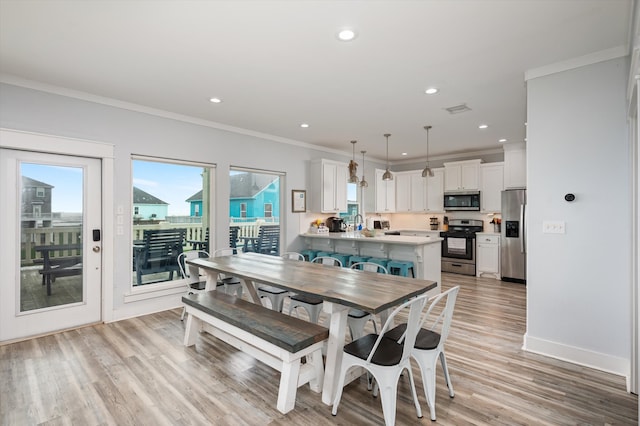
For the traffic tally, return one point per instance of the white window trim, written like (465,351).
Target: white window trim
(165,288)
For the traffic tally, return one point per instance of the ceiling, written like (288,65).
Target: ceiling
(277,64)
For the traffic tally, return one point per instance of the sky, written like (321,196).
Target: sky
(66,182)
(172,183)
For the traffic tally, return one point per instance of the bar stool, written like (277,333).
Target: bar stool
(357,259)
(379,260)
(343,258)
(401,267)
(322,254)
(309,255)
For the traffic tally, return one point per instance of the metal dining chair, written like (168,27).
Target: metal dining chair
(429,344)
(385,359)
(231,284)
(196,283)
(357,319)
(313,305)
(276,295)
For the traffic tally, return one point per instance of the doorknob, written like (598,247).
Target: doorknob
(96,249)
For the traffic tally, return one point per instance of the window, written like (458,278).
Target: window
(170,201)
(353,206)
(40,192)
(37,211)
(254,200)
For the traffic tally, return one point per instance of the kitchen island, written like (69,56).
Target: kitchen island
(424,252)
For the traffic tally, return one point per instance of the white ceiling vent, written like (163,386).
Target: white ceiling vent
(458,109)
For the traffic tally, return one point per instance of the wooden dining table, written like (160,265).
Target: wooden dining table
(340,289)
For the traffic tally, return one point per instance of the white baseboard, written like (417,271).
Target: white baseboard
(599,361)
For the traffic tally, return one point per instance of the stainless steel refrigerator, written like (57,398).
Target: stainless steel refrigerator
(513,246)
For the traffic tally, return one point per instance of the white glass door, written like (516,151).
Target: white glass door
(50,243)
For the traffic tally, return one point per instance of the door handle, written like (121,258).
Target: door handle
(96,249)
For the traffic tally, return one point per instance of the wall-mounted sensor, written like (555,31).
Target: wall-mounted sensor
(569,197)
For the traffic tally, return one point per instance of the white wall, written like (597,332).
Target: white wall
(579,284)
(138,133)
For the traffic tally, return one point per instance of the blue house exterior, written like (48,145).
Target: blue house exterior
(251,196)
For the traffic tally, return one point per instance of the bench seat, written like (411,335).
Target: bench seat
(276,339)
(62,267)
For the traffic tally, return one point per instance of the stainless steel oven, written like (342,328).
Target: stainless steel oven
(459,246)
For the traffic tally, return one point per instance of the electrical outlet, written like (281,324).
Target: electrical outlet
(553,227)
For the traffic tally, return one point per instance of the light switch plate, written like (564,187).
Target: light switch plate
(553,227)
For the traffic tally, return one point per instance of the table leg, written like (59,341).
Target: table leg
(337,328)
(251,288)
(212,277)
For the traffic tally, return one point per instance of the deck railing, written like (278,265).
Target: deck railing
(62,235)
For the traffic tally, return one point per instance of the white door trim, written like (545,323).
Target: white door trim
(28,141)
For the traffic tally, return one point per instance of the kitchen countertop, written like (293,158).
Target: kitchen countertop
(379,238)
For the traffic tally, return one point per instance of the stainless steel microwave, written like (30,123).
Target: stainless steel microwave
(462,200)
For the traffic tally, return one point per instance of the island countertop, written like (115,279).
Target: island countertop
(385,239)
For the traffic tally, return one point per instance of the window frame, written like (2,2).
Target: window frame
(159,289)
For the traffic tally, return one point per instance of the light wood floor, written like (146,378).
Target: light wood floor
(136,372)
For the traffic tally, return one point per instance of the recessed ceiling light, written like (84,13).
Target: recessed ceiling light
(502,140)
(346,34)
(304,125)
(483,126)
(404,153)
(431,91)
(215,100)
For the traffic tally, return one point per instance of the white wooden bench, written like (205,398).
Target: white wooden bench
(276,339)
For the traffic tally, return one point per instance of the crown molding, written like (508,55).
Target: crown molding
(89,97)
(581,61)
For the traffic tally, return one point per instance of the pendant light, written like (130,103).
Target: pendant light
(363,183)
(353,166)
(427,171)
(387,174)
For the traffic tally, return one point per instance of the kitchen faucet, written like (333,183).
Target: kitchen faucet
(355,218)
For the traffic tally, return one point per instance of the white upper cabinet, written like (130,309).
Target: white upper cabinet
(491,186)
(515,166)
(462,175)
(385,193)
(329,183)
(416,194)
(435,191)
(411,192)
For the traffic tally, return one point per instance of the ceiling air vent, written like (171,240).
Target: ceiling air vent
(458,109)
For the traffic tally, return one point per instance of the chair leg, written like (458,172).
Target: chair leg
(445,369)
(339,389)
(427,363)
(388,387)
(414,393)
(184,311)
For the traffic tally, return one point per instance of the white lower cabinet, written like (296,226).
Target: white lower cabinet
(488,254)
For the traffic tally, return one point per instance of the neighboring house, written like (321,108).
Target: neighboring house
(36,199)
(147,206)
(251,195)
(195,204)
(254,195)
